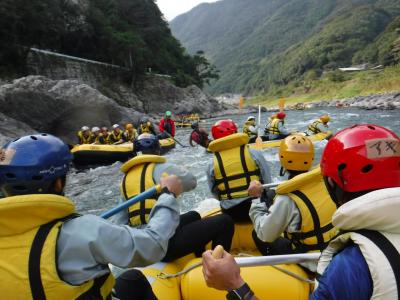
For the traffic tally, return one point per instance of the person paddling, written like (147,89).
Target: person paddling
(232,169)
(250,128)
(199,136)
(167,125)
(277,129)
(193,233)
(85,136)
(116,136)
(298,203)
(320,125)
(57,253)
(361,169)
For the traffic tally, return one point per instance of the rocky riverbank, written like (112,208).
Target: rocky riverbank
(386,101)
(39,104)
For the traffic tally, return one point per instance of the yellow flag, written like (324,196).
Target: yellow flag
(241,102)
(281,104)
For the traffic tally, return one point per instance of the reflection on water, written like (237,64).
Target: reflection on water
(97,189)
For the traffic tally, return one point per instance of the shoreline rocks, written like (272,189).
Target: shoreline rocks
(386,101)
(38,104)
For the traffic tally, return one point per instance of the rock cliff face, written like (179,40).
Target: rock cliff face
(61,107)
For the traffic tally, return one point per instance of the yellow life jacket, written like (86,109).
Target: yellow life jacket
(101,139)
(246,129)
(313,127)
(85,140)
(130,136)
(274,127)
(138,178)
(28,247)
(234,168)
(316,208)
(112,138)
(144,128)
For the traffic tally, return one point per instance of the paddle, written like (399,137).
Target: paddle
(146,194)
(281,104)
(175,140)
(253,261)
(259,139)
(271,185)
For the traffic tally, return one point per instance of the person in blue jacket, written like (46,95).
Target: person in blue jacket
(361,167)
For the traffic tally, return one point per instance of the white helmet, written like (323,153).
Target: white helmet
(251,118)
(95,129)
(85,128)
(115,126)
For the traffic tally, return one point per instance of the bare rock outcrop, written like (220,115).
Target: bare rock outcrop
(59,107)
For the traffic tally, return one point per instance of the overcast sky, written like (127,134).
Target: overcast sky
(173,8)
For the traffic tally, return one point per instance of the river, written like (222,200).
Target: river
(96,190)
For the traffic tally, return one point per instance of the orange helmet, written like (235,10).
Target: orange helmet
(325,119)
(296,153)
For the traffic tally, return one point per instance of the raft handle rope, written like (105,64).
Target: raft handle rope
(261,261)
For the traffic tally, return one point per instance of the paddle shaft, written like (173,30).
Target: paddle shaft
(145,195)
(277,259)
(271,185)
(259,120)
(175,139)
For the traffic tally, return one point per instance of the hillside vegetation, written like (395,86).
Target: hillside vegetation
(335,86)
(128,33)
(261,46)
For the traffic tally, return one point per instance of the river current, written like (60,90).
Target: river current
(95,190)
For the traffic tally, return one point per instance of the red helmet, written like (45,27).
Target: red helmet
(363,158)
(223,128)
(281,115)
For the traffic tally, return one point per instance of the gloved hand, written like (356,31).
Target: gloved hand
(268,197)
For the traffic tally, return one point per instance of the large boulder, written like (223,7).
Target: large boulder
(11,129)
(60,107)
(158,95)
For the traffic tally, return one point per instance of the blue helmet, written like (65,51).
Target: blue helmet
(30,164)
(147,144)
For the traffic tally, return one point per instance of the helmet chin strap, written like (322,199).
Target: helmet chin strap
(338,195)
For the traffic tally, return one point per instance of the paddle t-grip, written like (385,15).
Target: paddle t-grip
(218,252)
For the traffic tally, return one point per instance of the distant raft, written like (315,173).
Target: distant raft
(276,143)
(89,154)
(166,145)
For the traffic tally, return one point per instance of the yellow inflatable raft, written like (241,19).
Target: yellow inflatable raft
(89,154)
(166,145)
(276,143)
(268,282)
(183,124)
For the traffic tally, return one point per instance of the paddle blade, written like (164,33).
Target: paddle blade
(241,102)
(281,104)
(259,143)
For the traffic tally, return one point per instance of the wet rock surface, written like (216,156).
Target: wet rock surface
(61,107)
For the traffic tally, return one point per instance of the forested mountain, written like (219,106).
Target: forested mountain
(128,33)
(259,45)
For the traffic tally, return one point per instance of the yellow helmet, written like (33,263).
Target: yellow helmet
(325,118)
(296,153)
(128,126)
